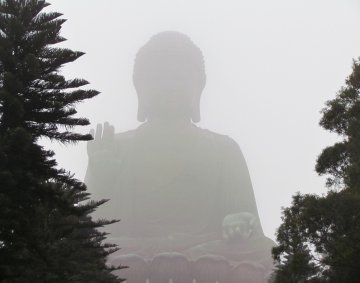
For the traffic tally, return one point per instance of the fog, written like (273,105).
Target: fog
(270,67)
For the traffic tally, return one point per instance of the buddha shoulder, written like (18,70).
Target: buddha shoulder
(218,142)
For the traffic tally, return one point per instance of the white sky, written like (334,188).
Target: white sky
(271,65)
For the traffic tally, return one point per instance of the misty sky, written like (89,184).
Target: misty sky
(271,65)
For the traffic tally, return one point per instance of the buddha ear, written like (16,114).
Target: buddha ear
(141,115)
(195,111)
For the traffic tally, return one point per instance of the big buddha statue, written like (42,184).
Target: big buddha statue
(175,186)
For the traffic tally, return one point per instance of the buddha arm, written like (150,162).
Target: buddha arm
(100,175)
(236,183)
(102,161)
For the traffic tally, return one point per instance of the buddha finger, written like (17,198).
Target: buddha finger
(108,133)
(92,132)
(91,144)
(98,133)
(112,134)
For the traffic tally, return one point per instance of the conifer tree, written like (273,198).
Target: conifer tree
(46,230)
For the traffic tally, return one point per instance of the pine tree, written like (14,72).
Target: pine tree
(46,230)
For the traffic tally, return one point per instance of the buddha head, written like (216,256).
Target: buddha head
(169,77)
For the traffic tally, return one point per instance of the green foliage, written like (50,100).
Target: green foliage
(296,264)
(342,116)
(46,231)
(319,239)
(34,95)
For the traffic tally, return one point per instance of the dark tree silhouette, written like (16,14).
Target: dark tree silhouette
(46,231)
(323,233)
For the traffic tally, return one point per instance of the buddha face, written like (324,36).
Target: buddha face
(169,90)
(169,78)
